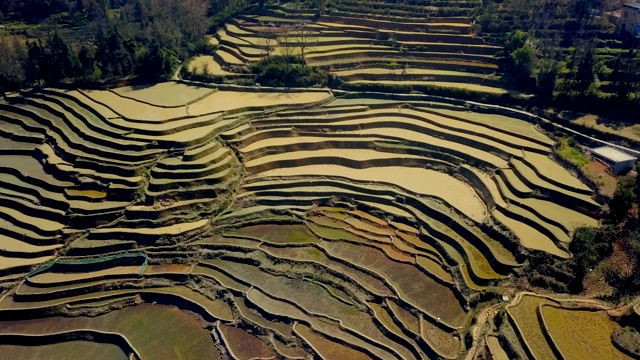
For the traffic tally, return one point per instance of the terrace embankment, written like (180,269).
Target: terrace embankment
(253,222)
(363,48)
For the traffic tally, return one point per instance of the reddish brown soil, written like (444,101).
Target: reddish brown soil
(600,174)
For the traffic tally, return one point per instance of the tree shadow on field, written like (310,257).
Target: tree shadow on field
(143,86)
(615,124)
(276,95)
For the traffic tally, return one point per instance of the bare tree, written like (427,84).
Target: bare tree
(268,41)
(303,38)
(285,43)
(322,4)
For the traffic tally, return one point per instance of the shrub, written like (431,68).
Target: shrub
(569,151)
(628,339)
(288,71)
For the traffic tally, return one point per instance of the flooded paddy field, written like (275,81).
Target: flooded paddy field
(232,222)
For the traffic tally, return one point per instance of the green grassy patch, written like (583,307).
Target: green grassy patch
(568,150)
(280,234)
(333,233)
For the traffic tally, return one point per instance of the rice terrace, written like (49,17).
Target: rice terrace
(362,181)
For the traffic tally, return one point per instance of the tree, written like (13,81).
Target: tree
(516,40)
(523,58)
(322,4)
(625,195)
(115,59)
(95,10)
(285,42)
(32,64)
(90,70)
(546,77)
(159,61)
(268,41)
(12,56)
(302,37)
(59,60)
(584,72)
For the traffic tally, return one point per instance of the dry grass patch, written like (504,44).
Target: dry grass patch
(524,313)
(206,64)
(624,130)
(333,233)
(278,234)
(326,348)
(157,331)
(68,350)
(445,343)
(244,345)
(581,334)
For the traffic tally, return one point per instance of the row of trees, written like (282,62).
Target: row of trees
(567,53)
(130,38)
(26,64)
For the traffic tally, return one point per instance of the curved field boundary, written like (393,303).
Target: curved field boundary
(531,204)
(99,125)
(482,108)
(584,305)
(94,261)
(546,149)
(66,282)
(182,302)
(518,330)
(342,55)
(444,326)
(323,267)
(365,62)
(429,343)
(115,301)
(476,215)
(70,144)
(199,98)
(160,295)
(372,194)
(351,278)
(142,121)
(478,185)
(591,309)
(547,333)
(310,316)
(80,104)
(378,23)
(84,139)
(413,334)
(75,335)
(385,118)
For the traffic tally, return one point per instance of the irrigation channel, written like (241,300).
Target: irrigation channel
(246,222)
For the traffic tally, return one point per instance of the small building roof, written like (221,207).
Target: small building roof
(633,6)
(613,154)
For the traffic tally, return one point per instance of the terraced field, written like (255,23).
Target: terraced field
(556,329)
(184,221)
(365,48)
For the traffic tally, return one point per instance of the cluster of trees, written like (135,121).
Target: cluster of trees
(288,71)
(611,250)
(567,53)
(129,38)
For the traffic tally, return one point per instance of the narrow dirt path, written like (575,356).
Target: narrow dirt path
(476,331)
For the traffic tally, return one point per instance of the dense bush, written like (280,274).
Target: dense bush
(288,71)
